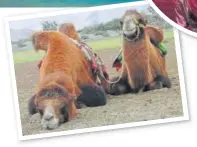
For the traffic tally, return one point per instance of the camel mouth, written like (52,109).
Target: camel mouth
(49,121)
(130,32)
(131,36)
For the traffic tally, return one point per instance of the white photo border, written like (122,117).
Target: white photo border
(100,128)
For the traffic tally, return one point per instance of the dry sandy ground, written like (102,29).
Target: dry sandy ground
(158,104)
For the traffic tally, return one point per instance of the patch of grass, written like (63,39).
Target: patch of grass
(168,34)
(27,56)
(31,55)
(110,43)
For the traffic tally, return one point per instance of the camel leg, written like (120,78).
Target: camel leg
(166,82)
(152,86)
(164,79)
(120,87)
(80,105)
(158,83)
(73,111)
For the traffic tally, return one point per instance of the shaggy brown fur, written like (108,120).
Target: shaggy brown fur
(155,33)
(143,63)
(58,88)
(64,67)
(69,30)
(87,99)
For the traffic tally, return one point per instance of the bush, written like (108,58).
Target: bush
(114,25)
(49,26)
(99,33)
(83,37)
(105,34)
(21,43)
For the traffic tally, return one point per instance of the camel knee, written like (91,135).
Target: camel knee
(166,82)
(92,96)
(120,87)
(152,86)
(158,83)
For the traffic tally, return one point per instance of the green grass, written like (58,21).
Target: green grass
(27,56)
(31,55)
(168,34)
(110,43)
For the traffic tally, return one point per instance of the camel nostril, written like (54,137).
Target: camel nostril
(48,116)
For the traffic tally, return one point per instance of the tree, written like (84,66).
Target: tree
(21,43)
(49,26)
(151,10)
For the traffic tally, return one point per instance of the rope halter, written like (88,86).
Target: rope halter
(138,26)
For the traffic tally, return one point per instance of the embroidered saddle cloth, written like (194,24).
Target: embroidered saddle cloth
(98,67)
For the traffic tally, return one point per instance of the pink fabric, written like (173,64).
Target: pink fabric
(167,7)
(174,9)
(180,13)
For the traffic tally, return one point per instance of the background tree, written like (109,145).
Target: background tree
(49,26)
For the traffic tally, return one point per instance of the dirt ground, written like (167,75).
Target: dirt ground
(157,104)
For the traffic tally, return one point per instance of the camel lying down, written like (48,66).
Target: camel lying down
(144,66)
(64,83)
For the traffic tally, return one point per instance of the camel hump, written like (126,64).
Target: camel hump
(155,33)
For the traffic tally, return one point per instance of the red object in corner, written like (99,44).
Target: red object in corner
(167,7)
(173,9)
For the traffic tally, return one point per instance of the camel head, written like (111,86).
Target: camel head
(40,40)
(54,104)
(132,23)
(69,30)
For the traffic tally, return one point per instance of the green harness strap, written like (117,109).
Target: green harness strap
(120,57)
(162,48)
(160,45)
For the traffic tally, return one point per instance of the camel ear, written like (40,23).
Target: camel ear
(155,33)
(32,106)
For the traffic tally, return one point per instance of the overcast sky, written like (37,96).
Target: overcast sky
(78,19)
